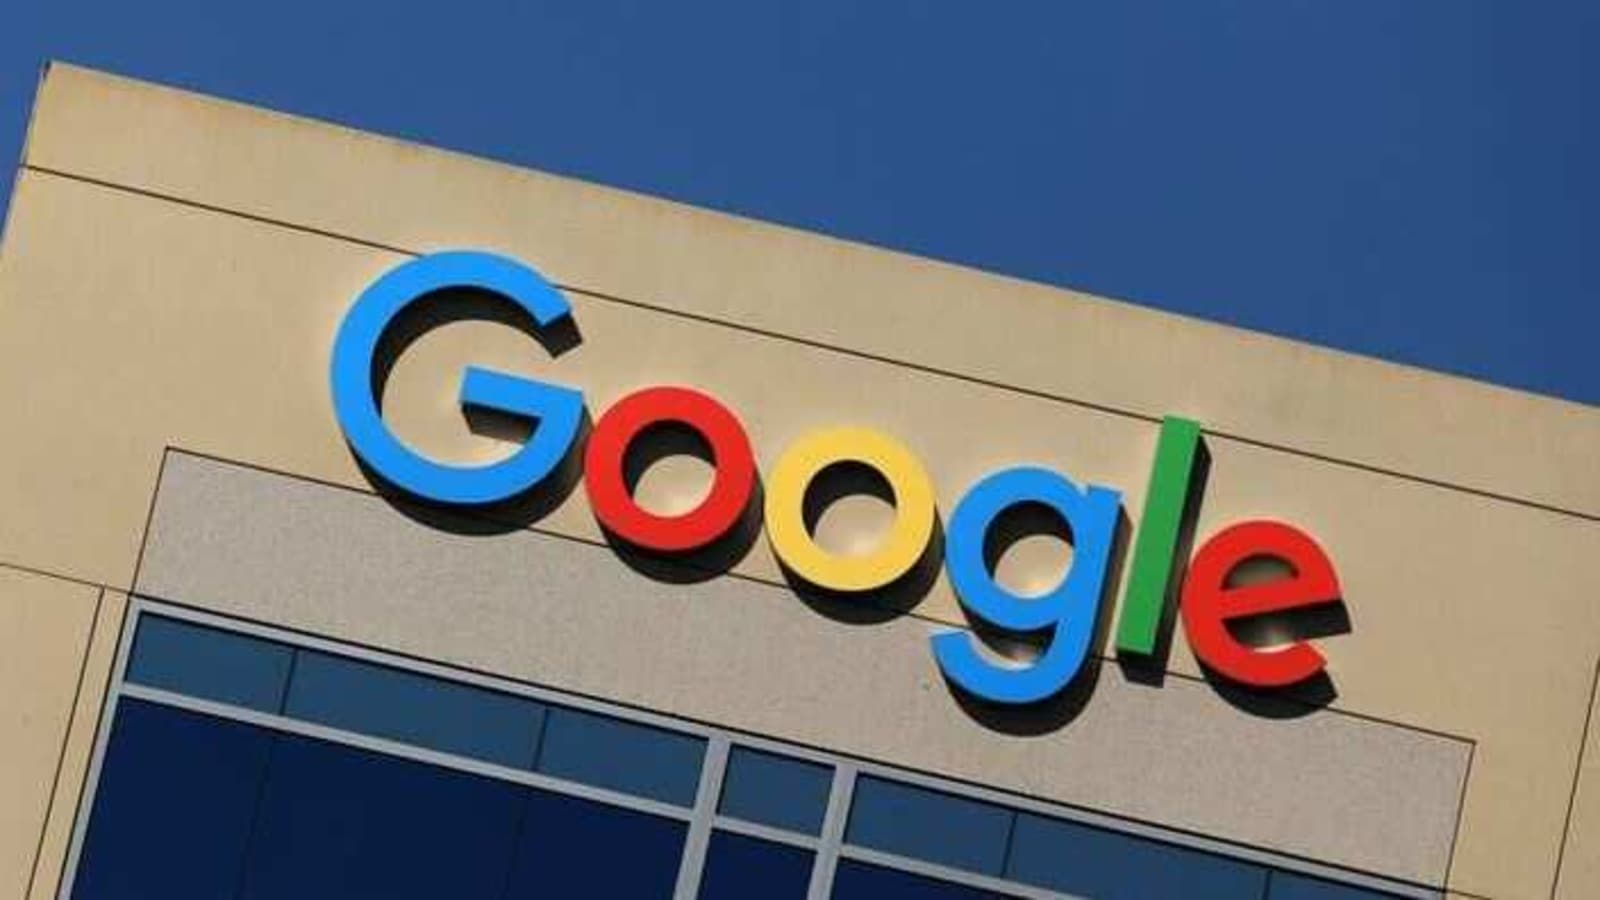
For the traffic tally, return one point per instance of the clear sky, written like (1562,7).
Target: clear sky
(1413,179)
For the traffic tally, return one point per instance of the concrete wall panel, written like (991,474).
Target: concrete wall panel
(752,656)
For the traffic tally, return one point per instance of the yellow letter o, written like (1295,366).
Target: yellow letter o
(913,501)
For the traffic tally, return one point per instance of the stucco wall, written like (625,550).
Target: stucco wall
(174,268)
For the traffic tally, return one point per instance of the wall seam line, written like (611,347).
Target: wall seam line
(58,576)
(1461,814)
(121,649)
(66,742)
(149,517)
(1577,778)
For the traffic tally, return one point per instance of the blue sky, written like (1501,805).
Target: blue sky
(1413,179)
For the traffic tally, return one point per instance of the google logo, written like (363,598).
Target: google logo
(1209,597)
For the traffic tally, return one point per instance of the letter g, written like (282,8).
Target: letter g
(558,409)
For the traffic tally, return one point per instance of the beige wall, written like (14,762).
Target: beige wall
(1580,861)
(178,287)
(56,638)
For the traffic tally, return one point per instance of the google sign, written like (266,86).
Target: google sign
(1066,614)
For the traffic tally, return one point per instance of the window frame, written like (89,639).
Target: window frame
(702,818)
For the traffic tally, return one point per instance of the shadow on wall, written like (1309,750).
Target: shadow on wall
(831,485)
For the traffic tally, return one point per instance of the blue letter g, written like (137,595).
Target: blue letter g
(559,410)
(1070,609)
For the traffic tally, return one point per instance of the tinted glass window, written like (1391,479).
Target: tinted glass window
(1300,887)
(859,881)
(621,756)
(414,709)
(739,867)
(575,848)
(173,808)
(776,790)
(340,822)
(190,805)
(214,665)
(929,825)
(1078,859)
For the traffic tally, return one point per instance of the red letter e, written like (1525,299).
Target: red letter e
(1208,603)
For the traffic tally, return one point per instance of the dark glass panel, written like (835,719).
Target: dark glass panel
(929,825)
(204,662)
(621,756)
(740,867)
(415,709)
(776,790)
(1094,862)
(1287,886)
(861,881)
(172,812)
(577,848)
(339,822)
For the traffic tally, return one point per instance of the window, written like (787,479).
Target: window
(174,805)
(244,762)
(1288,886)
(860,881)
(1093,862)
(740,867)
(622,756)
(414,709)
(571,847)
(929,825)
(336,821)
(776,790)
(213,665)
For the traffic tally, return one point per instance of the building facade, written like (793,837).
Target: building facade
(245,656)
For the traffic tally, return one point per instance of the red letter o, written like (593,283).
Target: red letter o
(731,457)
